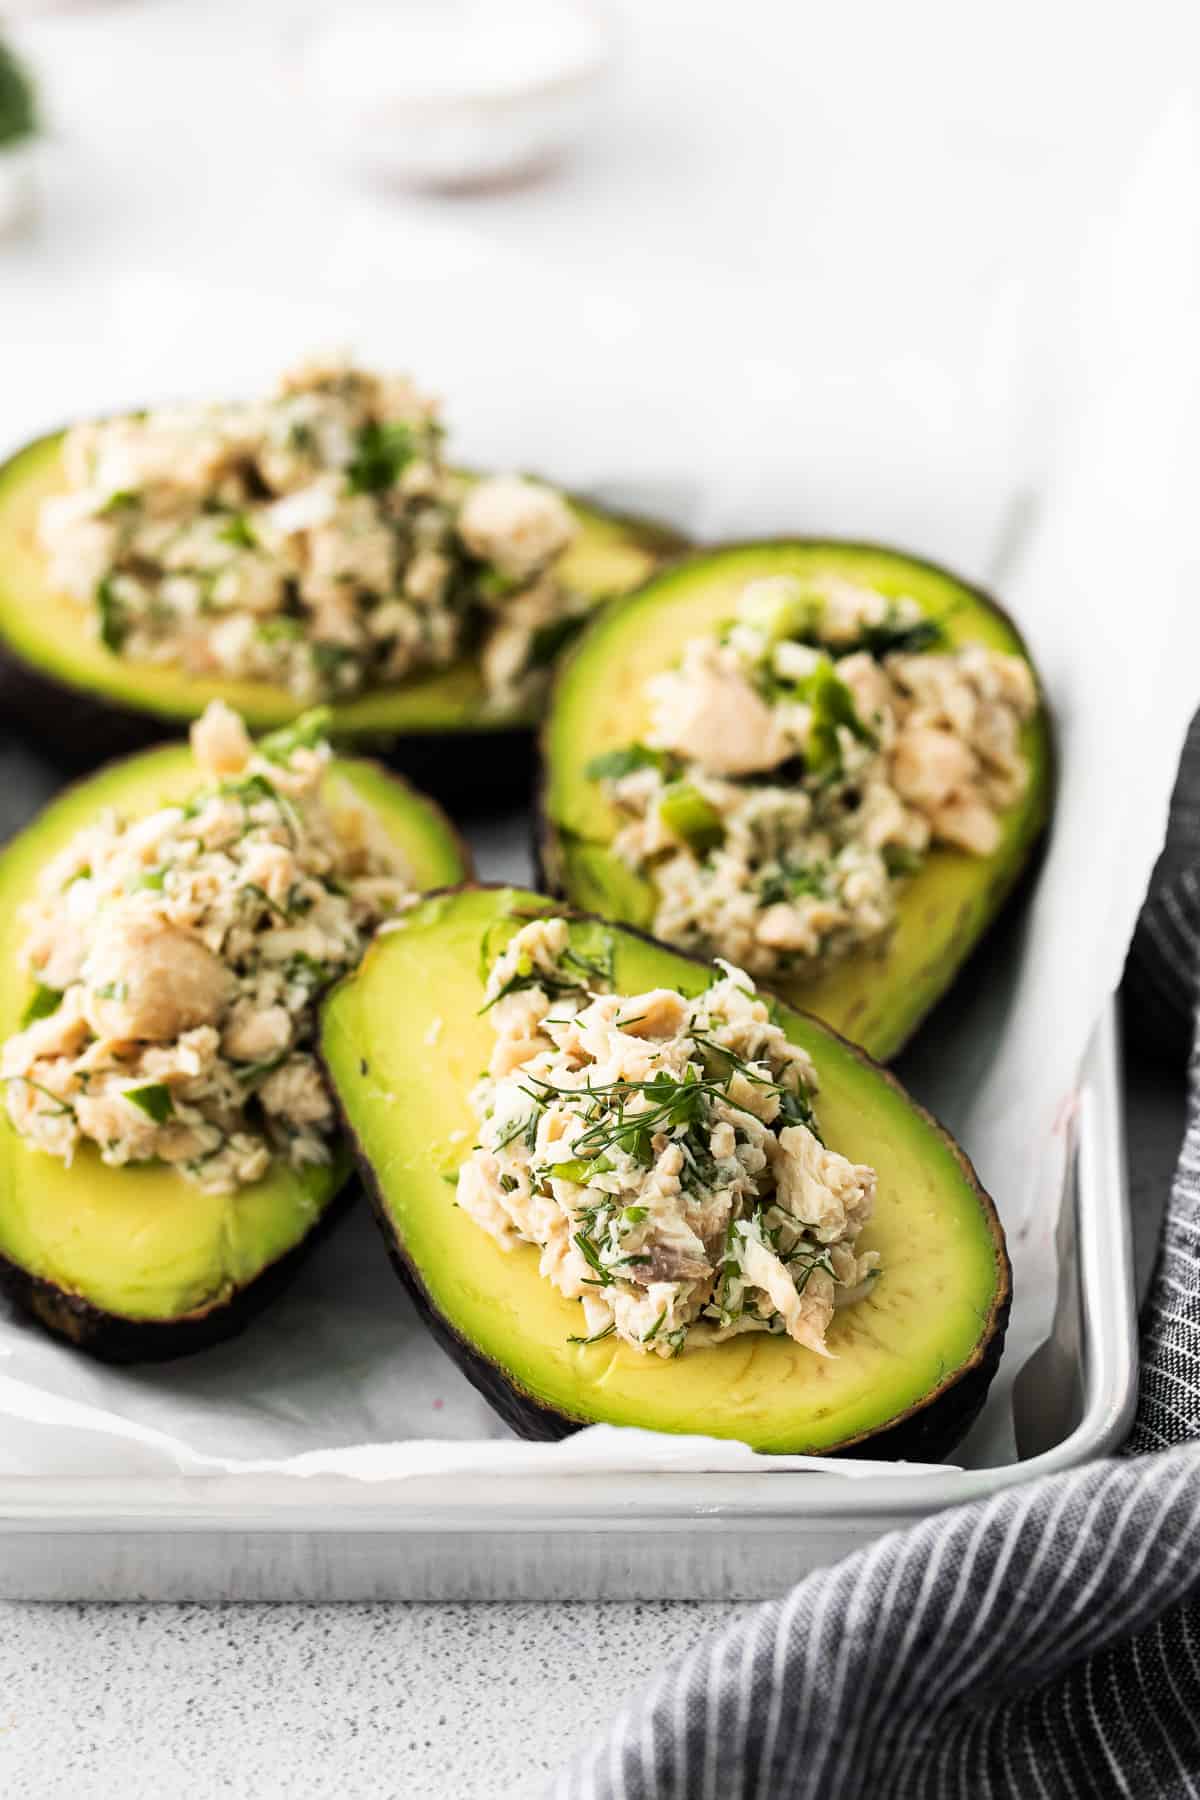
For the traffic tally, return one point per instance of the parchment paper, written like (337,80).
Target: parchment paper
(1045,446)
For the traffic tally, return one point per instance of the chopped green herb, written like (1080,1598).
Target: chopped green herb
(591,1256)
(890,637)
(613,764)
(592,952)
(517,1129)
(120,501)
(596,1336)
(493,584)
(309,730)
(254,1071)
(902,861)
(381,452)
(113,990)
(43,1002)
(273,631)
(656,1327)
(60,1106)
(264,899)
(791,880)
(581,1170)
(152,880)
(832,705)
(783,608)
(114,620)
(549,640)
(153,1099)
(238,532)
(684,810)
(328,659)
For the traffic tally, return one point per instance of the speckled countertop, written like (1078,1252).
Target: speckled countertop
(448,1702)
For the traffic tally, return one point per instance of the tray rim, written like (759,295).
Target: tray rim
(761,1502)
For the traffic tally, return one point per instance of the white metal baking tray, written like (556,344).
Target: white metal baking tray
(573,1537)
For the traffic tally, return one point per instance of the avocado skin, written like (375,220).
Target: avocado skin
(1005,891)
(76,727)
(475,771)
(112,1338)
(927,1431)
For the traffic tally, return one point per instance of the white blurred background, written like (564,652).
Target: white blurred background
(771,214)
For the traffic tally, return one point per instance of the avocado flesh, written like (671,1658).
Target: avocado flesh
(911,1361)
(92,1248)
(48,637)
(598,704)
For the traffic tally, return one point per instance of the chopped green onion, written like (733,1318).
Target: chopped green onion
(684,811)
(611,765)
(831,705)
(309,730)
(581,1171)
(238,531)
(381,451)
(153,1099)
(43,1002)
(781,607)
(114,622)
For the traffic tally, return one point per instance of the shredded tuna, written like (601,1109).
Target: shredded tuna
(661,1152)
(798,769)
(314,539)
(179,957)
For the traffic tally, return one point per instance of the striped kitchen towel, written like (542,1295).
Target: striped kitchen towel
(1044,1643)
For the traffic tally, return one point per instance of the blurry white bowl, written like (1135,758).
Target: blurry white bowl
(457,93)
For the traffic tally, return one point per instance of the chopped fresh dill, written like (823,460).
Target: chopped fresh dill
(59,1104)
(596,1336)
(591,1256)
(656,1327)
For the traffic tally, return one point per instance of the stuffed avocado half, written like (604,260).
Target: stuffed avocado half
(828,761)
(771,1242)
(309,547)
(167,1148)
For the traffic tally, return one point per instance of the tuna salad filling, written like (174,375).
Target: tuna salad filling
(661,1153)
(313,539)
(800,766)
(178,959)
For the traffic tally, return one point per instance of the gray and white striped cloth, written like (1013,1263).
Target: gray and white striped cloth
(1045,1643)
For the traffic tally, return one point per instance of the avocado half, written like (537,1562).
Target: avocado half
(598,704)
(137,1263)
(435,726)
(403,1041)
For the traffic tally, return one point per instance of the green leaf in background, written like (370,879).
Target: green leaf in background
(18,108)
